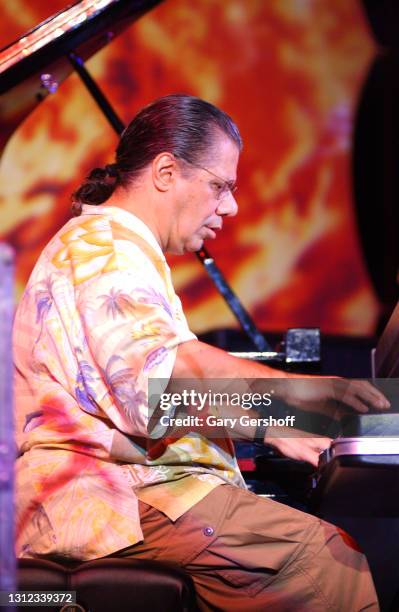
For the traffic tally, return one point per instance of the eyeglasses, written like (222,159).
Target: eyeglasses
(222,187)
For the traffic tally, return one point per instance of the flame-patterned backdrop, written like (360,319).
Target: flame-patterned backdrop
(290,74)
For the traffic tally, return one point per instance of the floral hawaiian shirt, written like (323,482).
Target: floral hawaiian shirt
(98,319)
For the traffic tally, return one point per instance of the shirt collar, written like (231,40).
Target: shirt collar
(127,219)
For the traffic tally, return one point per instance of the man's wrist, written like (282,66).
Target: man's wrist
(260,433)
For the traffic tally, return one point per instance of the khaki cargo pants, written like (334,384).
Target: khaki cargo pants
(249,554)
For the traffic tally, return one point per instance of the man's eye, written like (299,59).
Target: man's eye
(218,186)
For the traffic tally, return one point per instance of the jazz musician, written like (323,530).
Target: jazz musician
(98,319)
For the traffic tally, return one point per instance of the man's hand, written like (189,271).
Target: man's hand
(304,447)
(328,395)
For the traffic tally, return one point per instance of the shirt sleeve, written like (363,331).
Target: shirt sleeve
(132,330)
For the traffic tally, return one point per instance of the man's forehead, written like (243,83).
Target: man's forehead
(224,156)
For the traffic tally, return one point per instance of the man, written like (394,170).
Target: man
(98,320)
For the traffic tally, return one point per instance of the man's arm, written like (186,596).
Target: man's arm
(197,360)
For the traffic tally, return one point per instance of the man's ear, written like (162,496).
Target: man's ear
(164,169)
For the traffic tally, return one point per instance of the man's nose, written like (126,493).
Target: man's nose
(227,206)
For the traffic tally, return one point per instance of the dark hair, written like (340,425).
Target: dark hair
(180,124)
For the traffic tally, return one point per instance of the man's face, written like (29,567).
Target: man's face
(203,197)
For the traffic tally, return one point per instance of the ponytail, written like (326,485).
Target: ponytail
(99,185)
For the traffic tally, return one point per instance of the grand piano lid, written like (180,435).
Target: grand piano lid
(37,63)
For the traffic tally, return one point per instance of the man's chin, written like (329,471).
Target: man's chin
(191,247)
(194,245)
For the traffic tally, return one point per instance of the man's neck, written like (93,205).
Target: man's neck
(140,203)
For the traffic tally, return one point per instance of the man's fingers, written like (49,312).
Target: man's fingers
(310,449)
(376,398)
(311,457)
(304,448)
(317,446)
(361,395)
(356,404)
(322,443)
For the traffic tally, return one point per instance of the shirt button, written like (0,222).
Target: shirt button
(208,531)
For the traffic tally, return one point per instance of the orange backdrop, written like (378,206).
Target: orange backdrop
(290,74)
